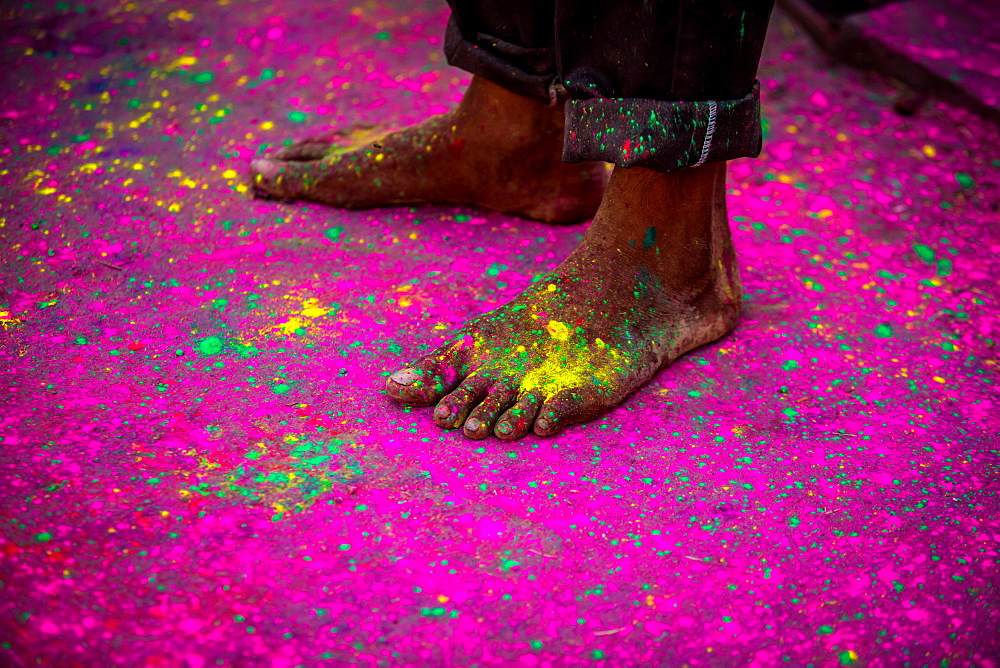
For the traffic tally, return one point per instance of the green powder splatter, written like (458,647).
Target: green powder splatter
(296,116)
(432,612)
(883,331)
(333,234)
(964,179)
(925,253)
(211,346)
(203,78)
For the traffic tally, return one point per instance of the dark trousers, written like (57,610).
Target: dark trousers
(662,84)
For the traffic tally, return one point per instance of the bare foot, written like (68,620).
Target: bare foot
(654,277)
(496,150)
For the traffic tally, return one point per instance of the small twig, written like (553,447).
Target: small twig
(550,556)
(610,631)
(110,266)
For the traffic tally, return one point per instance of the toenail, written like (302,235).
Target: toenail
(505,428)
(404,377)
(543,424)
(444,412)
(265,168)
(473,425)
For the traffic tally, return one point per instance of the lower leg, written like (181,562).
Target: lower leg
(654,277)
(497,150)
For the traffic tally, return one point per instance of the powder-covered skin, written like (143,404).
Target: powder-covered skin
(198,466)
(583,337)
(495,150)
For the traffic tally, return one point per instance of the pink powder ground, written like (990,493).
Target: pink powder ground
(199,467)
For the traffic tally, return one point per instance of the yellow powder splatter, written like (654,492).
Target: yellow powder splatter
(7,322)
(567,367)
(290,325)
(303,318)
(558,330)
(310,310)
(182,62)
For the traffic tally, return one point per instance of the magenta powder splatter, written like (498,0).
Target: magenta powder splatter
(199,467)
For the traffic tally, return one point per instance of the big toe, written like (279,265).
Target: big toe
(306,150)
(265,177)
(413,385)
(428,379)
(282,179)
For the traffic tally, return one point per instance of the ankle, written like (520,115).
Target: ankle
(492,115)
(672,225)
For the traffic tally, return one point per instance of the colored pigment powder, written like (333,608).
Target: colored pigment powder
(199,464)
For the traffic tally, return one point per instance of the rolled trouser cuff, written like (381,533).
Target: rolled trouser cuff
(530,72)
(662,135)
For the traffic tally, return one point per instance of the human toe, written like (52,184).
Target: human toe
(454,407)
(421,383)
(480,422)
(306,150)
(564,409)
(517,421)
(282,179)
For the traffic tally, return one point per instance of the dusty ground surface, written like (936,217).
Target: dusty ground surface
(199,466)
(954,42)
